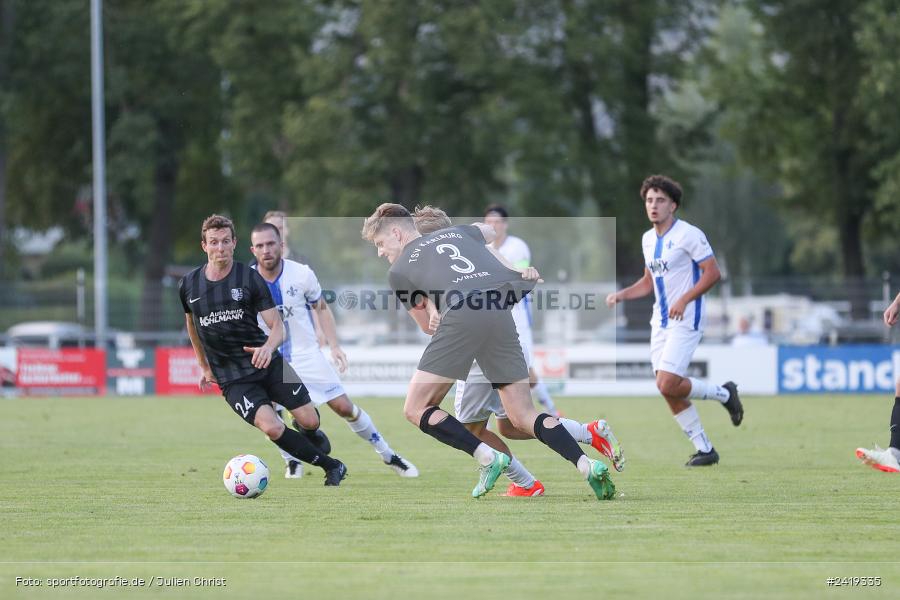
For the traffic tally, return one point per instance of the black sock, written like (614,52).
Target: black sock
(558,439)
(895,424)
(449,431)
(299,446)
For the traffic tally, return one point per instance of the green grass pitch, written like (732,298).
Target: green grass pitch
(132,487)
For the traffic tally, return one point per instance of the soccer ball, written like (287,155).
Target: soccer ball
(246,476)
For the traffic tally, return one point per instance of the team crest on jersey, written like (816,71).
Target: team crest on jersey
(237,294)
(670,244)
(292,291)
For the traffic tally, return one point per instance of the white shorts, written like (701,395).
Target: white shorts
(318,376)
(476,400)
(672,349)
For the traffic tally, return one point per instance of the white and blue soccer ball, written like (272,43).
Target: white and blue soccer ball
(246,476)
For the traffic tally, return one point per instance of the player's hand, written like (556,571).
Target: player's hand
(676,311)
(531,274)
(613,299)
(207,380)
(434,321)
(891,314)
(339,358)
(262,356)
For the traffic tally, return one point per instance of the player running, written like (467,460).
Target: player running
(887,460)
(297,293)
(221,302)
(679,268)
(476,399)
(473,291)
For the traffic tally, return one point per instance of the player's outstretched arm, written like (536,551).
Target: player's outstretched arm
(487,231)
(710,274)
(206,378)
(640,288)
(893,312)
(329,330)
(262,355)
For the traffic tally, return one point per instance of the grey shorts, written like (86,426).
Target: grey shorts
(486,335)
(476,399)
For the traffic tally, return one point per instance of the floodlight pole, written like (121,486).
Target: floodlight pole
(99,187)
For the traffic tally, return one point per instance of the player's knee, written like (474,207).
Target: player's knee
(307,417)
(412,413)
(342,407)
(667,386)
(272,428)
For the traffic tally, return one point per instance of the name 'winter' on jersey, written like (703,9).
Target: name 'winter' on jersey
(295,291)
(673,260)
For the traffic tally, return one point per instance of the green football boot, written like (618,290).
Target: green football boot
(600,482)
(490,473)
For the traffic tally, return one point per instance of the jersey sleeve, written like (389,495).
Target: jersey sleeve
(260,296)
(698,246)
(405,291)
(182,294)
(312,290)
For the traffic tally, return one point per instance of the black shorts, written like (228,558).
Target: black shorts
(487,335)
(272,384)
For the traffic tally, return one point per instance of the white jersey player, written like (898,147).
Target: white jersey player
(680,268)
(518,254)
(296,292)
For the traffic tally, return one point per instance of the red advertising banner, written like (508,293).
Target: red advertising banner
(71,371)
(177,372)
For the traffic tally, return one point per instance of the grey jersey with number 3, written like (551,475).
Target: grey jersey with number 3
(449,265)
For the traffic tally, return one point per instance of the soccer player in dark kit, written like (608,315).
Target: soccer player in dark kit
(451,271)
(221,300)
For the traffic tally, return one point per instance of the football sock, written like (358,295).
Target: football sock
(895,424)
(577,430)
(484,454)
(704,390)
(286,456)
(362,425)
(518,474)
(558,439)
(690,423)
(449,431)
(299,446)
(543,397)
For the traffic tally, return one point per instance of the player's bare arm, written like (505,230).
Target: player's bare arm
(329,330)
(640,288)
(206,378)
(434,317)
(262,355)
(420,315)
(710,274)
(892,312)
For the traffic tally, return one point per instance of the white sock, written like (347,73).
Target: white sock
(704,390)
(288,458)
(577,430)
(484,454)
(895,452)
(690,423)
(543,397)
(363,426)
(518,474)
(584,465)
